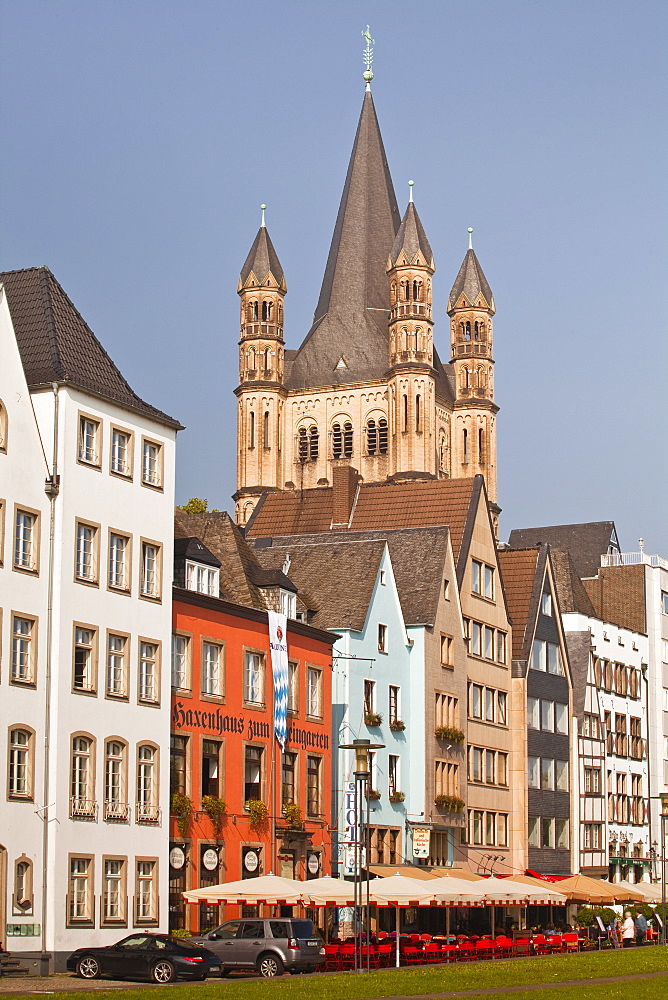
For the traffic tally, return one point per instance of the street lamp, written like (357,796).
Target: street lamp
(360,841)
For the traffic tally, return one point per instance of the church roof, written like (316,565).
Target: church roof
(411,238)
(471,281)
(348,341)
(262,260)
(57,345)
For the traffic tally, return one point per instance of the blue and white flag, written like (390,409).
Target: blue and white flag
(278,642)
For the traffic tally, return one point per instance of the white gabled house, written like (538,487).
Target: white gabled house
(86,537)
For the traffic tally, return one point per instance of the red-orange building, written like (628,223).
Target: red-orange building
(241,806)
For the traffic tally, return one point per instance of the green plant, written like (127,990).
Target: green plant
(449,733)
(259,814)
(197,506)
(180,932)
(182,808)
(373,794)
(397,796)
(586,917)
(293,814)
(373,718)
(215,810)
(397,726)
(449,802)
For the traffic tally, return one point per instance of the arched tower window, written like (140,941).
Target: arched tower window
(347,440)
(382,436)
(337,441)
(481,378)
(464,378)
(466,446)
(265,430)
(476,331)
(267,308)
(303,445)
(313,442)
(417,290)
(481,446)
(406,290)
(371,437)
(418,415)
(253,310)
(412,341)
(441,452)
(467,331)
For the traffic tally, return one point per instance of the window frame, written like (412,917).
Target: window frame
(127,562)
(88,811)
(115,807)
(92,667)
(153,917)
(30,680)
(155,596)
(246,652)
(92,580)
(260,760)
(188,639)
(124,693)
(28,749)
(143,699)
(128,475)
(96,461)
(122,919)
(36,529)
(383,632)
(23,906)
(152,816)
(87,918)
(314,671)
(206,695)
(293,687)
(159,485)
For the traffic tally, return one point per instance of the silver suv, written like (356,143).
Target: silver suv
(270,946)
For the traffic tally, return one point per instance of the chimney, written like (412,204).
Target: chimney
(344,483)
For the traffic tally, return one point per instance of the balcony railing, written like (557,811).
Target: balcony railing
(82,808)
(145,813)
(117,812)
(633,559)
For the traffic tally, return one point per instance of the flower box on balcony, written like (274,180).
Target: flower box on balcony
(397,796)
(450,802)
(397,726)
(449,733)
(373,719)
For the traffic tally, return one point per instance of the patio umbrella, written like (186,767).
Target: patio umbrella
(464,873)
(400,890)
(457,891)
(328,891)
(517,892)
(270,889)
(581,888)
(651,893)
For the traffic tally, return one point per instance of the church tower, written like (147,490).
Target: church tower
(471,308)
(261,391)
(411,376)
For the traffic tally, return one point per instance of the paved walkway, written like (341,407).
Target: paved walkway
(66,983)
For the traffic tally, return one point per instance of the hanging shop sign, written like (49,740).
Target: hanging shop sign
(421,842)
(251,861)
(210,859)
(313,864)
(177,858)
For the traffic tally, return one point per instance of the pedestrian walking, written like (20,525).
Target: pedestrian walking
(628,930)
(641,929)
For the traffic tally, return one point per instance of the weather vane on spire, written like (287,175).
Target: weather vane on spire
(470,232)
(368,57)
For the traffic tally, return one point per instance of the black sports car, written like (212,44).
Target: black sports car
(158,957)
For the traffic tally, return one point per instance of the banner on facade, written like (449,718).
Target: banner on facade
(421,842)
(278,643)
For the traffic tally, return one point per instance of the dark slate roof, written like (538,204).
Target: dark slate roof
(57,345)
(262,260)
(571,593)
(579,646)
(586,543)
(519,569)
(411,238)
(336,574)
(471,281)
(445,380)
(351,317)
(415,504)
(238,564)
(192,548)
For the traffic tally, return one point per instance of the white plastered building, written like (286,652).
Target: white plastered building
(86,539)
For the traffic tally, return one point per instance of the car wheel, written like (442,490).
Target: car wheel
(88,967)
(269,966)
(163,972)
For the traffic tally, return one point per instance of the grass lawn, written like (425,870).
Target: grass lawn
(437,979)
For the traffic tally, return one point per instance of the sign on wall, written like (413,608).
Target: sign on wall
(210,859)
(278,643)
(177,858)
(421,842)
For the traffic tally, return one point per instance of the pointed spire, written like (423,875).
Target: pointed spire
(472,282)
(411,239)
(262,259)
(351,316)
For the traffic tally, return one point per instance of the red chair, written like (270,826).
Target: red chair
(332,958)
(555,943)
(485,948)
(347,956)
(432,953)
(411,955)
(505,947)
(521,947)
(467,952)
(386,955)
(449,952)
(571,942)
(540,945)
(371,955)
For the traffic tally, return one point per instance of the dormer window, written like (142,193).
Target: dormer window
(202,579)
(288,603)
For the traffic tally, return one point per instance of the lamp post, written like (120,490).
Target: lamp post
(359,843)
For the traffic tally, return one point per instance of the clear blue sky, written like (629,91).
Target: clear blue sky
(139,139)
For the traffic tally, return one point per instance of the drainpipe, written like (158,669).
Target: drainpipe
(51,488)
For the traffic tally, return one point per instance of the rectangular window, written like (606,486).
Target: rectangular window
(212,669)
(476,701)
(502,768)
(120,458)
(113,891)
(148,810)
(149,687)
(151,472)
(25,541)
(500,647)
(546,832)
(446,710)
(546,603)
(86,554)
(119,563)
(533,713)
(253,758)
(89,441)
(490,767)
(446,650)
(82,801)
(150,570)
(476,576)
(20,764)
(489,643)
(23,654)
(446,778)
(382,638)
(534,831)
(180,661)
(560,717)
(253,678)
(592,836)
(533,772)
(116,666)
(502,708)
(80,896)
(546,772)
(475,826)
(202,579)
(293,686)
(211,769)
(476,638)
(547,715)
(538,655)
(561,775)
(502,829)
(84,659)
(664,602)
(488,586)
(288,778)
(314,693)
(592,780)
(489,704)
(393,773)
(592,726)
(562,833)
(288,603)
(313,786)
(146,892)
(177,765)
(393,703)
(369,697)
(554,665)
(490,829)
